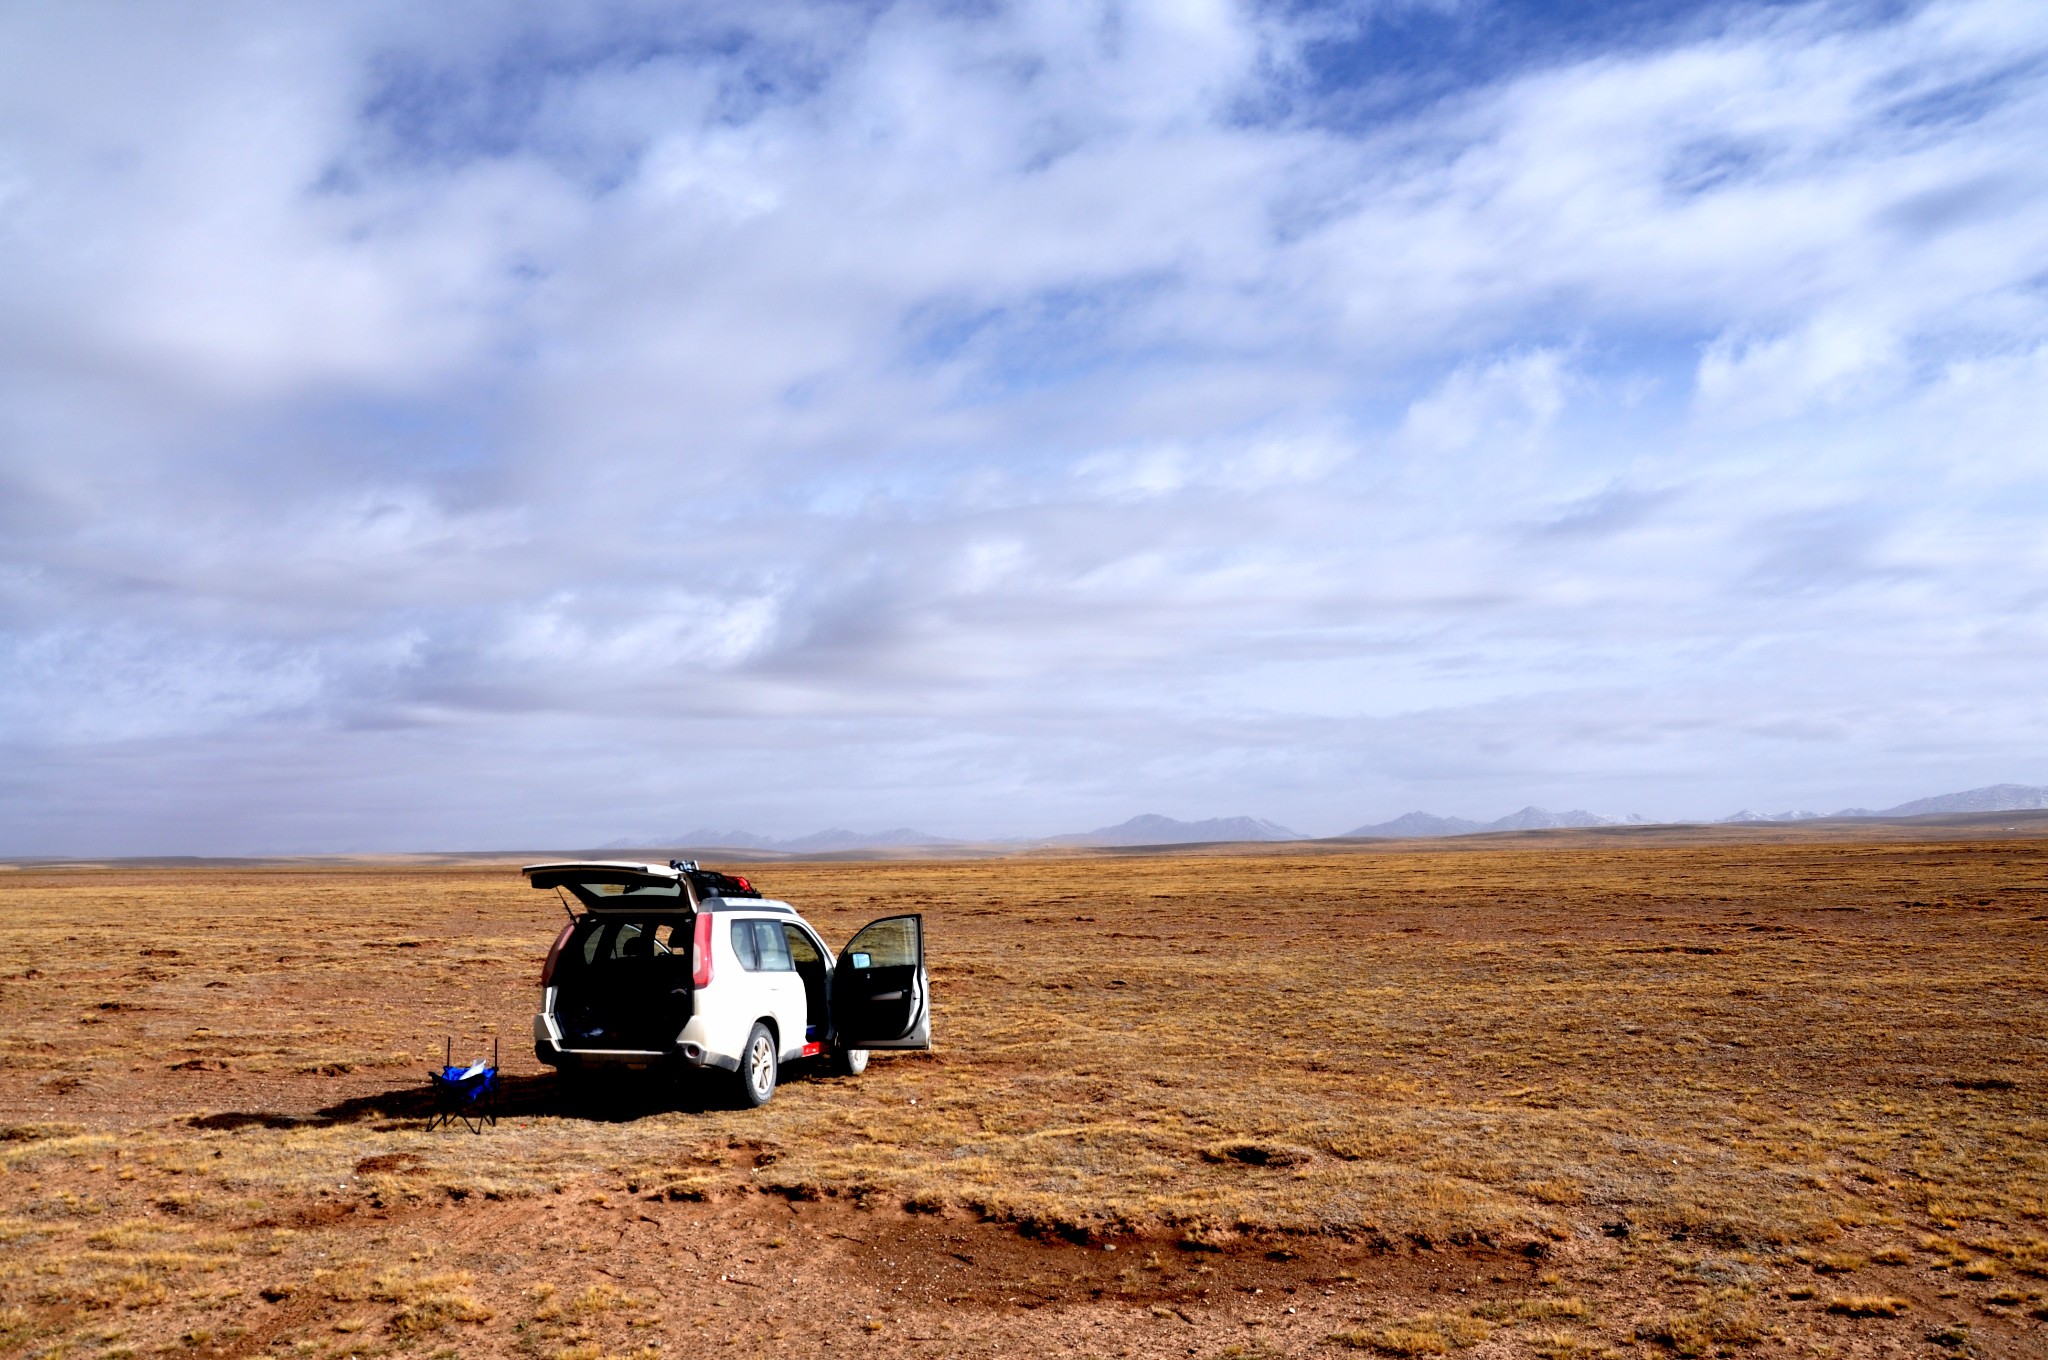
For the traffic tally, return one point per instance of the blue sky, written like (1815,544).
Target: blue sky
(480,425)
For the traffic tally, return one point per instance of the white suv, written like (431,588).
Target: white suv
(676,967)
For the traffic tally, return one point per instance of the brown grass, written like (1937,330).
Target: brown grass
(1423,1334)
(1868,1305)
(1770,1059)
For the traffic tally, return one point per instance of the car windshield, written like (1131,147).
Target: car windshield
(636,891)
(612,891)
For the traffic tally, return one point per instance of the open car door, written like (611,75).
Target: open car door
(879,994)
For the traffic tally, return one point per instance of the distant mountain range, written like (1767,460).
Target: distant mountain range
(1153,829)
(817,843)
(1423,824)
(1990,798)
(1147,829)
(1747,816)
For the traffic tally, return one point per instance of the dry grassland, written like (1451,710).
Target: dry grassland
(1701,1100)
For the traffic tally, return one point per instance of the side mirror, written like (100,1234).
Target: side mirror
(862,961)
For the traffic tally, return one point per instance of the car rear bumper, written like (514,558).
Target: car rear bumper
(688,1055)
(693,1054)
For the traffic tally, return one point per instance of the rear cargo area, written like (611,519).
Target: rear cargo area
(624,983)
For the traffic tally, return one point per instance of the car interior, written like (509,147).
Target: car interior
(623,983)
(811,967)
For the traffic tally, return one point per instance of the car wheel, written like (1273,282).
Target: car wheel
(757,1068)
(849,1062)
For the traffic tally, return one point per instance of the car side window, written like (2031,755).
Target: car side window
(761,947)
(743,945)
(631,942)
(800,947)
(888,943)
(773,946)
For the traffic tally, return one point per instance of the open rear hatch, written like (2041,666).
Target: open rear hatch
(608,884)
(621,970)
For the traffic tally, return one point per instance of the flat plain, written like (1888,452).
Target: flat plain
(1563,1097)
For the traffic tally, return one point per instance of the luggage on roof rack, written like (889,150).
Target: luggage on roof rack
(711,883)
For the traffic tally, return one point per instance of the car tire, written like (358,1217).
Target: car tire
(849,1062)
(757,1069)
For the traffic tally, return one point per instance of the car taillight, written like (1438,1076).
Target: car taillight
(547,970)
(700,951)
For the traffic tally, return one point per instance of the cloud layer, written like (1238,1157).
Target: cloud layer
(493,426)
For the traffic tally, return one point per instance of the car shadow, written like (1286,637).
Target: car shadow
(617,1101)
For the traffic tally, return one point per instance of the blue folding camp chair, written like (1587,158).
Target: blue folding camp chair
(469,1094)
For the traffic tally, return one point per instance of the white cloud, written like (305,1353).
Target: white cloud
(128,684)
(1507,405)
(601,646)
(1829,360)
(1155,471)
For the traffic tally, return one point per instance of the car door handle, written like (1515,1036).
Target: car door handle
(896,995)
